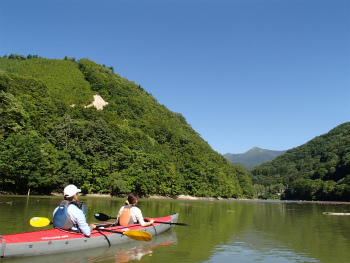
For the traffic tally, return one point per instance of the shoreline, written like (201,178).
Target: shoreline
(193,198)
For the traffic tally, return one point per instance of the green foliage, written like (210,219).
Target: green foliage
(65,82)
(133,144)
(317,170)
(27,162)
(13,118)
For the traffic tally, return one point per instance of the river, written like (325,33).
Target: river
(219,231)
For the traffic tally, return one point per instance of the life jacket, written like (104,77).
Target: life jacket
(125,217)
(61,218)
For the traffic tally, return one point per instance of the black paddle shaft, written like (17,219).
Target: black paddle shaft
(104,217)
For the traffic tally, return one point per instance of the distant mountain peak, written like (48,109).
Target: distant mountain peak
(256,148)
(253,157)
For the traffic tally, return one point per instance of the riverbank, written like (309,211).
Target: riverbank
(188,197)
(179,197)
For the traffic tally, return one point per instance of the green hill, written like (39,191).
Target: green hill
(317,170)
(48,138)
(253,157)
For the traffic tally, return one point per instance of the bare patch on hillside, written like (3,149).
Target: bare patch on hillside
(98,103)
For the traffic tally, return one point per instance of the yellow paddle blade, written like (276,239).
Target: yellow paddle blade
(138,235)
(40,221)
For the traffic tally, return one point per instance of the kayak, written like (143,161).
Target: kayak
(125,252)
(58,241)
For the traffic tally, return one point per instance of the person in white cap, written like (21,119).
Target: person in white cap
(69,215)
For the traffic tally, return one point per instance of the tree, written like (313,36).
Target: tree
(13,117)
(27,163)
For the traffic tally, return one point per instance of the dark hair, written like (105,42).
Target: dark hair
(69,198)
(132,198)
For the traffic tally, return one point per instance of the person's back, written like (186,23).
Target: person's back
(130,214)
(69,215)
(125,217)
(61,218)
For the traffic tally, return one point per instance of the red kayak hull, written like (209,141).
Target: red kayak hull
(58,241)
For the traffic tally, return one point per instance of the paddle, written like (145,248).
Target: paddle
(168,223)
(43,221)
(40,222)
(133,234)
(104,217)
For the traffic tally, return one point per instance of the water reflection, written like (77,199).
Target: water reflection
(248,254)
(255,246)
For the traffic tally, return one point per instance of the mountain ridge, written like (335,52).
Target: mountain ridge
(253,157)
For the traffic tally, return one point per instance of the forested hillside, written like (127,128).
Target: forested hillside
(48,138)
(317,170)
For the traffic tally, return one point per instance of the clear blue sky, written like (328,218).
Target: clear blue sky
(244,73)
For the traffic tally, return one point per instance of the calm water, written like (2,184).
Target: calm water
(220,231)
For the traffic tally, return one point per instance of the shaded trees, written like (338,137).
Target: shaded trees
(26,162)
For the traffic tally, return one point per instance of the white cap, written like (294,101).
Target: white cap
(71,190)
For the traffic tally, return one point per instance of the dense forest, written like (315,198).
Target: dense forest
(49,138)
(317,170)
